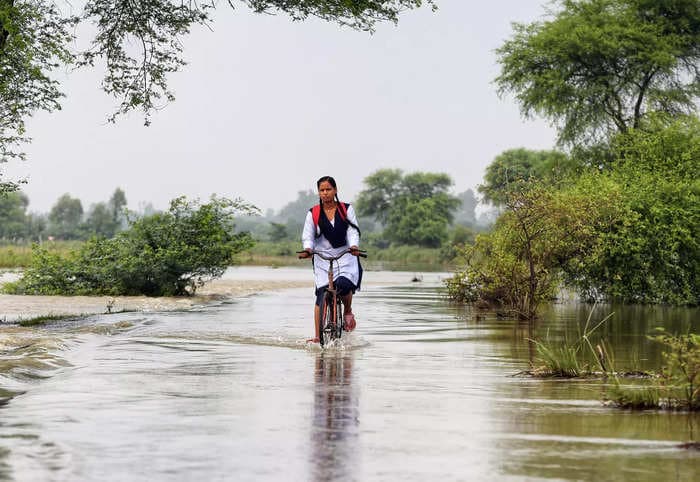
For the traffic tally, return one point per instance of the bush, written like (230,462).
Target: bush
(653,254)
(171,253)
(681,373)
(519,263)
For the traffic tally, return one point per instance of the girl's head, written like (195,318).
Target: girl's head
(327,189)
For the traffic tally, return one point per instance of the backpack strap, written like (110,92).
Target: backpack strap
(342,210)
(316,215)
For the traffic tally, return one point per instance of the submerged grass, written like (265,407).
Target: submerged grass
(557,360)
(42,319)
(634,397)
(572,360)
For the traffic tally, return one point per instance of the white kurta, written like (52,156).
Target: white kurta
(347,265)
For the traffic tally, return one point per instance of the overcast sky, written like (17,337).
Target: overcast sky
(266,106)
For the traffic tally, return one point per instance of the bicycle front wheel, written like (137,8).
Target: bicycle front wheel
(325,328)
(339,320)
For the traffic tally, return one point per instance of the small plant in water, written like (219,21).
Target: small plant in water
(680,377)
(639,397)
(557,360)
(567,359)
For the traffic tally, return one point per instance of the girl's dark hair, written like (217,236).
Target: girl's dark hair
(326,179)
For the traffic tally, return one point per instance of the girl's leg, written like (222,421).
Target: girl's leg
(347,304)
(317,317)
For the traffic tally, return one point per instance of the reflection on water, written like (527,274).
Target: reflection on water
(422,390)
(335,417)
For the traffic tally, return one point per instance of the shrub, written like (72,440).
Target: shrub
(171,253)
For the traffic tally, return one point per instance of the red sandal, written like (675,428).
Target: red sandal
(350,322)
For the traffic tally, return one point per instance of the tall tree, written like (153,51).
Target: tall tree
(596,67)
(65,217)
(415,208)
(13,215)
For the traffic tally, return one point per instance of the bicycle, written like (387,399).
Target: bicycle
(331,323)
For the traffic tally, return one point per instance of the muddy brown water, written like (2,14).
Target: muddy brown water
(422,390)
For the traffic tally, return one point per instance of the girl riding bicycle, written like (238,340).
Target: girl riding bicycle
(331,227)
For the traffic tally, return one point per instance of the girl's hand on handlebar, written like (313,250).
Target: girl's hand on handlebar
(304,254)
(354,250)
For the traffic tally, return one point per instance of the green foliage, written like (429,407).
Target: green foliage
(34,40)
(558,360)
(171,253)
(20,256)
(681,373)
(13,215)
(597,67)
(518,264)
(635,397)
(571,360)
(677,387)
(415,209)
(653,254)
(511,167)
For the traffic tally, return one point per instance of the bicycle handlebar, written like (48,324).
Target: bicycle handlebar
(323,255)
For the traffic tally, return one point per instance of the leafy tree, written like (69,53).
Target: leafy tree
(415,208)
(35,38)
(65,217)
(100,221)
(518,264)
(383,187)
(515,165)
(13,215)
(139,43)
(171,253)
(598,67)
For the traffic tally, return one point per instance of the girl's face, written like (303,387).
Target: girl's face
(326,192)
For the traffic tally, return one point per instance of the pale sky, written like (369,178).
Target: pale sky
(266,106)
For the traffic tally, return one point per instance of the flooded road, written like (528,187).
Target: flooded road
(422,390)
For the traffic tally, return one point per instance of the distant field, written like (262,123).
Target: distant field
(408,258)
(268,254)
(19,256)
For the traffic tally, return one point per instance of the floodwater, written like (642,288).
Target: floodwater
(422,390)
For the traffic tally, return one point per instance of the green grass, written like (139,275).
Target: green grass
(634,397)
(265,253)
(408,258)
(558,360)
(20,256)
(42,319)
